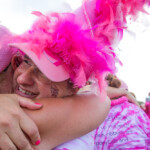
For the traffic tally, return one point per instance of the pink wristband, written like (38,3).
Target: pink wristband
(119,101)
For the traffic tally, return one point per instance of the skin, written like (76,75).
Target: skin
(29,82)
(54,137)
(13,121)
(67,113)
(114,93)
(71,124)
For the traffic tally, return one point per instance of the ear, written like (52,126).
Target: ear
(16,61)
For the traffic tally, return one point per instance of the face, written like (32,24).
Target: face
(30,82)
(6,78)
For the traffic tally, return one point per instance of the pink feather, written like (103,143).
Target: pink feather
(62,38)
(110,17)
(82,54)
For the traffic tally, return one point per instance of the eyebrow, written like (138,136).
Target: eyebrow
(28,58)
(25,56)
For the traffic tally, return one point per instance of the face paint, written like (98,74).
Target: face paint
(54,91)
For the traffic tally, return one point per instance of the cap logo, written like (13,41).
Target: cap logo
(52,60)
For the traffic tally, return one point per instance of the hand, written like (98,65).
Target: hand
(131,98)
(16,128)
(143,107)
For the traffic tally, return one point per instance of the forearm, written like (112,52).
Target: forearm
(61,120)
(115,92)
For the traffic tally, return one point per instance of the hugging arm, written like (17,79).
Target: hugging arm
(61,120)
(58,121)
(114,93)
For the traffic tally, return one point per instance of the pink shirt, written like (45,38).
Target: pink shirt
(126,127)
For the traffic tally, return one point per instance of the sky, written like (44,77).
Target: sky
(133,50)
(16,14)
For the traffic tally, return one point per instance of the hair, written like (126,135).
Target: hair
(6,68)
(2,74)
(113,81)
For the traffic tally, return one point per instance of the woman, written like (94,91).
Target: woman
(107,42)
(56,134)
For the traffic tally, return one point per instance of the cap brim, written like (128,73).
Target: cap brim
(44,63)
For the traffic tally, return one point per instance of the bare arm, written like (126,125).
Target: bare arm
(118,92)
(61,120)
(115,92)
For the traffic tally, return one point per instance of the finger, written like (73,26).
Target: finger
(31,130)
(19,139)
(143,107)
(6,143)
(133,100)
(136,103)
(27,103)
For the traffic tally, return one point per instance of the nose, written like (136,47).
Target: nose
(26,77)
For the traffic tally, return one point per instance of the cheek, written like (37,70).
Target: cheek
(44,90)
(48,90)
(16,75)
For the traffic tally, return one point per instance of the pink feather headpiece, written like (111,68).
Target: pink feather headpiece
(78,45)
(59,37)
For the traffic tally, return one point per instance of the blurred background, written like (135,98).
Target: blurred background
(133,50)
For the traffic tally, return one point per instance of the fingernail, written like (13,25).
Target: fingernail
(37,142)
(38,104)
